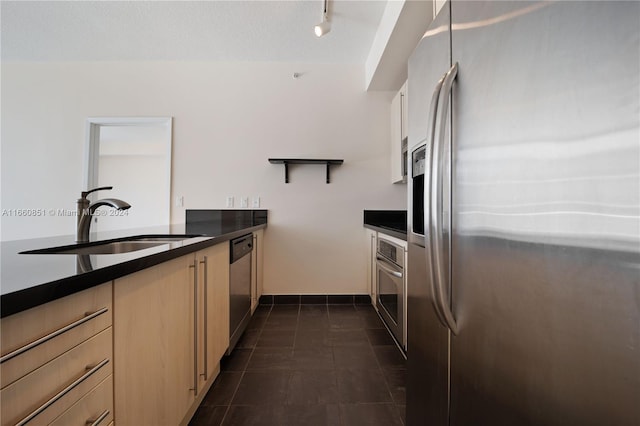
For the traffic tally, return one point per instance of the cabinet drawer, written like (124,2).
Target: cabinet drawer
(95,408)
(38,335)
(48,391)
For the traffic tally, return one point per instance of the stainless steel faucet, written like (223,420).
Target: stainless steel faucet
(86,211)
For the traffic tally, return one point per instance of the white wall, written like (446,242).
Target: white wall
(229,118)
(135,161)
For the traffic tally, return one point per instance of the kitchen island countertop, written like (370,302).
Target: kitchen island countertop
(30,280)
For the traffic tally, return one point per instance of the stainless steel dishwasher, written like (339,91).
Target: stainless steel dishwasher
(239,287)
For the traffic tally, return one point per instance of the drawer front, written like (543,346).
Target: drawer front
(94,409)
(47,392)
(36,336)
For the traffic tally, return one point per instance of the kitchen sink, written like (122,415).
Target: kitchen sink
(162,238)
(117,246)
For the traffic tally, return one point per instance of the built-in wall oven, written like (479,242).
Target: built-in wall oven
(416,213)
(391,288)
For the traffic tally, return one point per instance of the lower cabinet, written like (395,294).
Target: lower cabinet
(256,268)
(171,328)
(95,408)
(155,378)
(56,354)
(141,350)
(371,243)
(213,311)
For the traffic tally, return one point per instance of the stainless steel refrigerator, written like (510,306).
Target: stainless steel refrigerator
(524,215)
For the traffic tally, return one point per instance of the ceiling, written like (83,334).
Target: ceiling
(187,30)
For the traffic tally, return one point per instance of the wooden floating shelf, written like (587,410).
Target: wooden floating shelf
(287,161)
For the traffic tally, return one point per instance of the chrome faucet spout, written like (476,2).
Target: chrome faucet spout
(87,214)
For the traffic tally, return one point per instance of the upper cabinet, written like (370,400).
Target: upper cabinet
(398,138)
(437,5)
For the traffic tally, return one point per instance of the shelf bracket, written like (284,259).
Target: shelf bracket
(287,161)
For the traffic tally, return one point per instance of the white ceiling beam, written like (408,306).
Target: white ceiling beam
(403,24)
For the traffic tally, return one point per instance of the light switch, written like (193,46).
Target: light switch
(244,202)
(256,202)
(229,201)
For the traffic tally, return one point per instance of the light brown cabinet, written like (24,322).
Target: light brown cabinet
(141,350)
(155,377)
(213,308)
(371,246)
(91,409)
(55,354)
(257,268)
(172,328)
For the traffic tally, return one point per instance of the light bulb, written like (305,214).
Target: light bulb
(322,28)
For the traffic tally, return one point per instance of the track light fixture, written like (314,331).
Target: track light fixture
(325,26)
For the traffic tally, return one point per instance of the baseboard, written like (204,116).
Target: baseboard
(316,299)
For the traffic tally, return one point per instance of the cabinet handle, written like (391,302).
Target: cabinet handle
(255,258)
(205,262)
(401,114)
(63,392)
(88,316)
(195,327)
(373,267)
(98,420)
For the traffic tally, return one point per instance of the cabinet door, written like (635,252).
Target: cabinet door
(45,393)
(256,268)
(60,325)
(95,408)
(396,138)
(213,327)
(371,264)
(254,274)
(404,117)
(154,345)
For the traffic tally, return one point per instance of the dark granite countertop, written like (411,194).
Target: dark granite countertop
(390,222)
(29,280)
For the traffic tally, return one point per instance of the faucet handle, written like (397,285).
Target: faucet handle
(85,193)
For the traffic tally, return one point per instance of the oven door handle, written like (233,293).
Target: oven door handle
(382,263)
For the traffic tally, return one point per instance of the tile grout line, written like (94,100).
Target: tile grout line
(299,332)
(244,370)
(386,382)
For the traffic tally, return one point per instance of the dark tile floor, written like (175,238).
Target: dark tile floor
(307,365)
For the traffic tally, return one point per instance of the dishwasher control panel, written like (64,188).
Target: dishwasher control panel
(241,246)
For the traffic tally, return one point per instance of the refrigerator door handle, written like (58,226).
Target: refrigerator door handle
(428,240)
(436,200)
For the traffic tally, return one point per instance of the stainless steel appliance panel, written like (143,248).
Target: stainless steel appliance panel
(391,290)
(431,58)
(427,338)
(438,53)
(239,288)
(546,248)
(427,349)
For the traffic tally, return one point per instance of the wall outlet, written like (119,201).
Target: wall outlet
(256,203)
(229,201)
(244,202)
(180,201)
